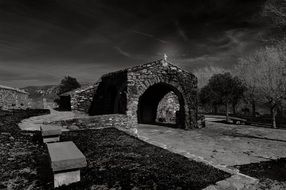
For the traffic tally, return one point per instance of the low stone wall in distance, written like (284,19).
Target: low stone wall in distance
(93,122)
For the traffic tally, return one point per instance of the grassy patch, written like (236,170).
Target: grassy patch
(18,164)
(117,160)
(274,169)
(271,174)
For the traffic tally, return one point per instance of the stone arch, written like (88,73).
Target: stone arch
(145,76)
(150,98)
(127,88)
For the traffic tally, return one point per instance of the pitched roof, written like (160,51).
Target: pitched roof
(77,90)
(14,89)
(145,65)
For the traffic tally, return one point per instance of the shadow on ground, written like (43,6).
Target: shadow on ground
(117,160)
(274,169)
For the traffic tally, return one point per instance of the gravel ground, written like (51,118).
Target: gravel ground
(18,163)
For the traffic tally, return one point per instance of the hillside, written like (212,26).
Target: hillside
(49,91)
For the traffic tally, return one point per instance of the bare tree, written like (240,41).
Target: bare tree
(265,73)
(245,70)
(276,11)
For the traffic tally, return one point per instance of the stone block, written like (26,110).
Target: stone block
(50,130)
(66,178)
(51,133)
(51,139)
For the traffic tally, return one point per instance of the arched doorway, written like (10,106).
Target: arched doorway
(149,100)
(167,109)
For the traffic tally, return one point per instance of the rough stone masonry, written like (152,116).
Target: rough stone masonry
(137,91)
(12,98)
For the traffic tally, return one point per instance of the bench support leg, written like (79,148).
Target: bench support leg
(51,139)
(66,178)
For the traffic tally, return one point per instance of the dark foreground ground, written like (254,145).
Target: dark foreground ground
(18,163)
(272,174)
(115,160)
(118,160)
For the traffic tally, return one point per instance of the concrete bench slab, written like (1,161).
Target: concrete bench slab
(51,133)
(66,161)
(65,156)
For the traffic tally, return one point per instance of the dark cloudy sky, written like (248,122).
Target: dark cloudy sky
(41,41)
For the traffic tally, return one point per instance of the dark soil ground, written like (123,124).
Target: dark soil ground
(272,174)
(115,160)
(274,169)
(17,151)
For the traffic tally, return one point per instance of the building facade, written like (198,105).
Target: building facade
(12,98)
(136,92)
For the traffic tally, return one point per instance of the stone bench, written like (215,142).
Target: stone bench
(51,133)
(237,120)
(66,160)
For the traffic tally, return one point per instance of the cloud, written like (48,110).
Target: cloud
(96,39)
(150,36)
(17,74)
(89,38)
(205,73)
(224,50)
(143,34)
(122,52)
(181,32)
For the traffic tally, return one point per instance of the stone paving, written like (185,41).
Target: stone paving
(222,146)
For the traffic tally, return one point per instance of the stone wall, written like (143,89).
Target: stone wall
(93,122)
(81,99)
(13,99)
(110,96)
(36,103)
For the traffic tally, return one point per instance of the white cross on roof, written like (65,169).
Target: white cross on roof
(165,57)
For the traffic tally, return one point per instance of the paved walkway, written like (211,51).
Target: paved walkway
(34,123)
(222,146)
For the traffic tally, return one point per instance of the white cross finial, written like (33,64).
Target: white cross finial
(165,57)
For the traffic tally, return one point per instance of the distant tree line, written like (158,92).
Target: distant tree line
(222,89)
(258,77)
